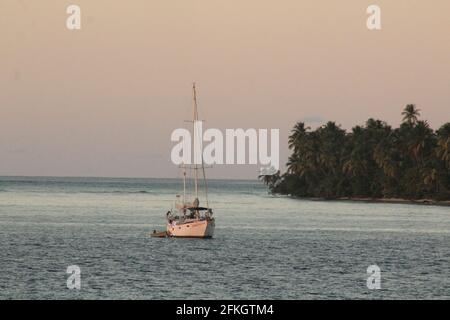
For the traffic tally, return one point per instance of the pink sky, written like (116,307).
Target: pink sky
(103,101)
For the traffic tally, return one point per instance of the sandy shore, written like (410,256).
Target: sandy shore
(386,200)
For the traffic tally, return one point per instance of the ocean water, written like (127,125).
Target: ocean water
(264,247)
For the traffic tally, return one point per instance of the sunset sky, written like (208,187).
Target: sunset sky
(103,100)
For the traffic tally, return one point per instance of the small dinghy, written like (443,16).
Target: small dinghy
(159,234)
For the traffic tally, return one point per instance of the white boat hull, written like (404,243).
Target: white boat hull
(193,229)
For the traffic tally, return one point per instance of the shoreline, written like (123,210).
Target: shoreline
(423,202)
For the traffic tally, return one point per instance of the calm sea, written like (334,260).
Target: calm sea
(264,247)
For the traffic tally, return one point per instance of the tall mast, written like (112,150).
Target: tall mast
(195,116)
(196,168)
(184,185)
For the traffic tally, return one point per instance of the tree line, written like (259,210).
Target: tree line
(371,161)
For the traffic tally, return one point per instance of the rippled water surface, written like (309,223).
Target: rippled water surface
(264,247)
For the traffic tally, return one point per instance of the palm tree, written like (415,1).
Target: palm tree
(410,114)
(354,162)
(444,150)
(384,155)
(431,178)
(296,135)
(270,180)
(422,138)
(293,164)
(373,160)
(443,144)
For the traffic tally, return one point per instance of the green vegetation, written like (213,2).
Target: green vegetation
(371,161)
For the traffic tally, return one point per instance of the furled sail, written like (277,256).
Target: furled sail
(187,205)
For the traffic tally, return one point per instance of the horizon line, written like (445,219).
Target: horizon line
(115,177)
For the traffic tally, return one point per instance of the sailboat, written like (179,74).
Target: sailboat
(188,219)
